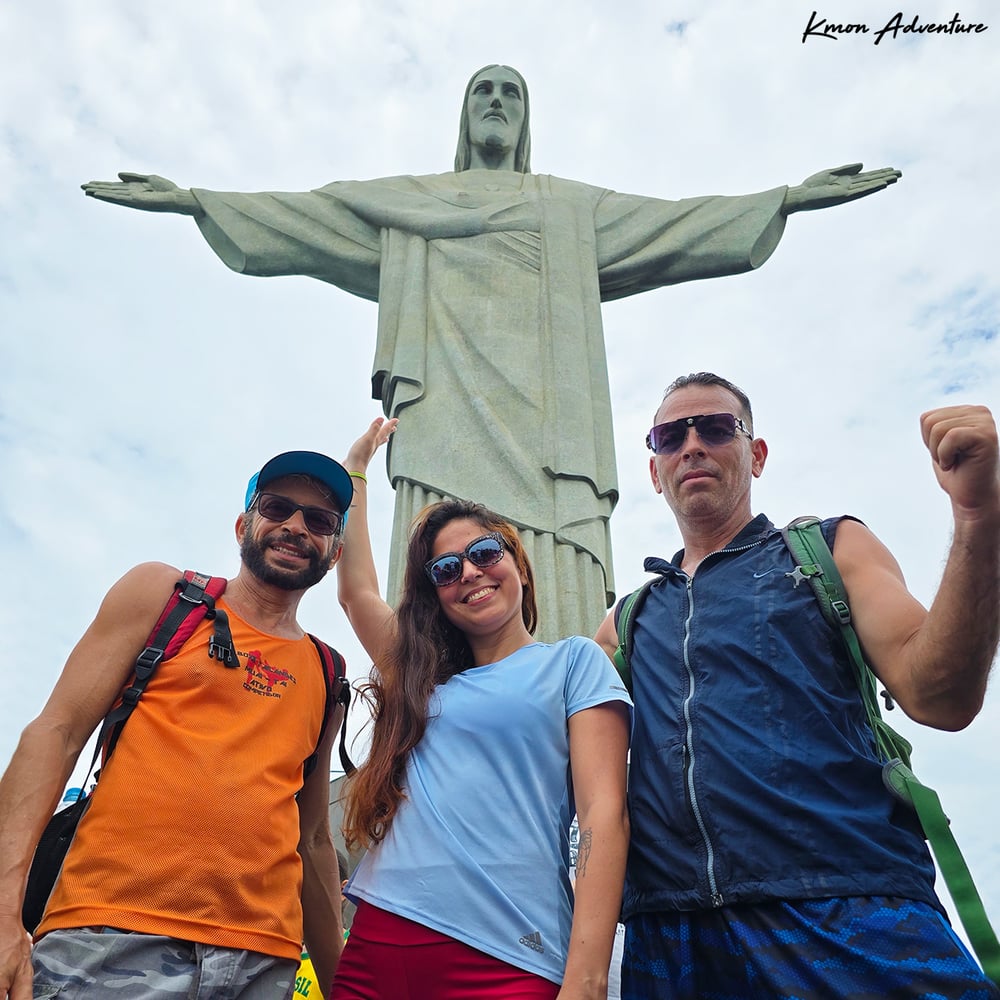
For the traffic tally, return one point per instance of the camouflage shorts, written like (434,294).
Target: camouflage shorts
(93,963)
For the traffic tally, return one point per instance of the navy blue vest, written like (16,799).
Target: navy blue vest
(753,773)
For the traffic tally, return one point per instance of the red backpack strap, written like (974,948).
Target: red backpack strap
(338,692)
(193,598)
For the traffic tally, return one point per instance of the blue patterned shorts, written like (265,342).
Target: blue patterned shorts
(864,948)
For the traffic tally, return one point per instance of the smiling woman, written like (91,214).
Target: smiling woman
(464,803)
(488,598)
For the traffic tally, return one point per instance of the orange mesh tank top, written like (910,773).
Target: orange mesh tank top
(192,832)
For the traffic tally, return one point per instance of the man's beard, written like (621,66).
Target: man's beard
(253,552)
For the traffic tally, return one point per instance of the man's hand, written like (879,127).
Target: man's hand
(837,185)
(962,441)
(15,959)
(147,192)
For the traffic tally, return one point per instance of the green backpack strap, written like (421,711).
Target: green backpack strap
(626,626)
(805,541)
(954,870)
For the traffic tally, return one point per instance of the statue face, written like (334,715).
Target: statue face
(496,110)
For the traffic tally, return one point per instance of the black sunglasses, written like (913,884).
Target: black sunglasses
(446,569)
(713,428)
(318,520)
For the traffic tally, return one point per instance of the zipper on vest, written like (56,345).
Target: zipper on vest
(713,886)
(689,741)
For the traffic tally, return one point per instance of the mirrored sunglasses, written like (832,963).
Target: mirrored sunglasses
(713,428)
(446,569)
(318,520)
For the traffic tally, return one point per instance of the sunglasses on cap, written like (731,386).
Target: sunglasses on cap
(713,428)
(446,569)
(318,520)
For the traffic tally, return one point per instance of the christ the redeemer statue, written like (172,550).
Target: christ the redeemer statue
(490,348)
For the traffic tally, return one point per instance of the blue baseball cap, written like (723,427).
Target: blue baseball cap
(305,463)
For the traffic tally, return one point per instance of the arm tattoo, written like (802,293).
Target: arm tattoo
(583,851)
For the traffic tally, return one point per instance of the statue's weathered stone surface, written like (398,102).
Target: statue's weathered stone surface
(490,348)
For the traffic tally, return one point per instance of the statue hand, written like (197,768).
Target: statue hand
(835,186)
(363,450)
(148,192)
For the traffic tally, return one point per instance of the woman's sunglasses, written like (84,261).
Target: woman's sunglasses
(713,428)
(446,569)
(317,519)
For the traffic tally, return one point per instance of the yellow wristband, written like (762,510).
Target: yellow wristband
(358,475)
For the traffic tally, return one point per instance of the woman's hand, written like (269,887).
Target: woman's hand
(363,450)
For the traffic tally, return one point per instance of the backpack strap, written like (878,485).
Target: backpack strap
(338,692)
(193,599)
(627,612)
(805,541)
(815,563)
(954,870)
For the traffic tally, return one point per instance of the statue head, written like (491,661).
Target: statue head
(522,148)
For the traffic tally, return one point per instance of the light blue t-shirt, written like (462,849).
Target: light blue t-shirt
(479,849)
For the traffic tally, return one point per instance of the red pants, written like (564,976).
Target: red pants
(391,958)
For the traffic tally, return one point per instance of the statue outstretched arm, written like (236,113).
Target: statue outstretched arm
(148,192)
(837,185)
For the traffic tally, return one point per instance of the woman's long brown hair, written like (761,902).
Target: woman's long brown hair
(428,650)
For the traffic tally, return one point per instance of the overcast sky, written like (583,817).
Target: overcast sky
(142,383)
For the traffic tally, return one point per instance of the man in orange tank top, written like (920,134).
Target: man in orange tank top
(205,860)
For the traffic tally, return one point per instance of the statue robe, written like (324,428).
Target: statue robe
(490,348)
